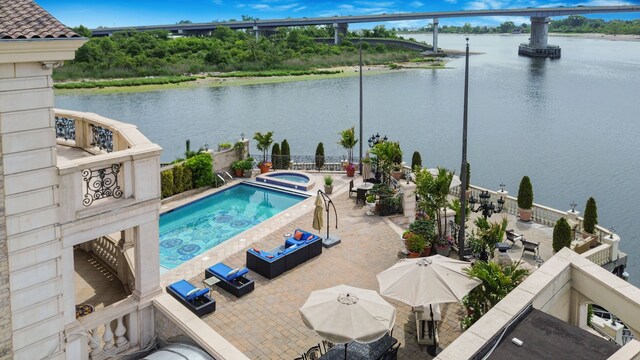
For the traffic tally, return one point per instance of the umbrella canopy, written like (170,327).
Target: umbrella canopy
(317,214)
(455,181)
(433,280)
(343,313)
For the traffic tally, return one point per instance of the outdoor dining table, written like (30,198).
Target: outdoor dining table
(356,350)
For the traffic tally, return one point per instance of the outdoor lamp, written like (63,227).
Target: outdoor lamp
(242,135)
(385,138)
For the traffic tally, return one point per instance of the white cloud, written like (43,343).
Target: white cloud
(484,5)
(606,3)
(416,4)
(451,1)
(299,8)
(345,7)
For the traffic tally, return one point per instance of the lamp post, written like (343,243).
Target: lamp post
(360,135)
(463,167)
(373,141)
(486,206)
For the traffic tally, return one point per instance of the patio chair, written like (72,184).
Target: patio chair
(231,280)
(531,247)
(195,299)
(513,237)
(352,189)
(326,345)
(361,195)
(392,352)
(313,353)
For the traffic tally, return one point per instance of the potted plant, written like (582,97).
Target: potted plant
(426,228)
(247,166)
(328,184)
(264,141)
(348,141)
(415,244)
(443,245)
(351,169)
(238,168)
(371,202)
(525,199)
(396,172)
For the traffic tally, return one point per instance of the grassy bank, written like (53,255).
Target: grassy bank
(124,82)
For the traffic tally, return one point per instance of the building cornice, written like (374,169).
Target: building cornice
(39,50)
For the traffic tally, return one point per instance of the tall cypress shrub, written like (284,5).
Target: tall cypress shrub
(178,174)
(416,160)
(525,194)
(561,234)
(166,183)
(320,156)
(590,216)
(286,154)
(276,158)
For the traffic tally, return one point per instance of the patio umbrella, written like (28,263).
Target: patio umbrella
(317,214)
(344,313)
(433,280)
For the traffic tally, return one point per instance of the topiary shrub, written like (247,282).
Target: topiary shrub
(320,156)
(561,235)
(201,167)
(276,158)
(187,181)
(178,182)
(286,154)
(525,194)
(166,183)
(416,160)
(590,216)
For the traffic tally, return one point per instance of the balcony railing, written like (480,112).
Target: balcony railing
(121,166)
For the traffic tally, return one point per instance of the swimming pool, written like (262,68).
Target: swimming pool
(288,179)
(192,229)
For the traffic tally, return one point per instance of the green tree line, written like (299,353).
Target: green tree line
(156,53)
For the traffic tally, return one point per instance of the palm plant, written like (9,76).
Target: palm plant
(489,234)
(348,141)
(497,282)
(264,141)
(433,192)
(386,153)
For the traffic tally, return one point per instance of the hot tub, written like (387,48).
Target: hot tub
(289,179)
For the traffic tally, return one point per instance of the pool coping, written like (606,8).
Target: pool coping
(271,179)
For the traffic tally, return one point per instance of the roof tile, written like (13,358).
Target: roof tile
(24,19)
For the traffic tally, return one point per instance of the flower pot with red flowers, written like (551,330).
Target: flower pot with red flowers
(351,169)
(264,167)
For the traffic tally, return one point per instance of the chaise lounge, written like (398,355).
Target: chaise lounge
(233,281)
(195,299)
(297,249)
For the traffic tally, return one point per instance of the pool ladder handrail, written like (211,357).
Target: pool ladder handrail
(221,178)
(229,175)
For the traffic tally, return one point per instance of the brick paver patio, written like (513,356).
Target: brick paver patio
(266,323)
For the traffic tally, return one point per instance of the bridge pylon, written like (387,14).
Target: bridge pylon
(538,41)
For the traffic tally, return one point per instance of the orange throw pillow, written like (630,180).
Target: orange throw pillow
(297,235)
(310,237)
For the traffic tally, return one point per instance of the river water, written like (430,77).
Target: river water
(571,124)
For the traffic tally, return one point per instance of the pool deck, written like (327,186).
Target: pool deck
(265,324)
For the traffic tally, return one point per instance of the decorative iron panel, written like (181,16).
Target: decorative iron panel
(101,183)
(65,128)
(102,138)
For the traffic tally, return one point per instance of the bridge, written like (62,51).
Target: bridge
(537,46)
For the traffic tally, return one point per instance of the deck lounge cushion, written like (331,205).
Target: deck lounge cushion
(227,273)
(187,291)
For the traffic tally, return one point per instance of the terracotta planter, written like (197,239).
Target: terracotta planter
(396,174)
(264,169)
(413,255)
(426,251)
(351,172)
(443,250)
(239,172)
(525,214)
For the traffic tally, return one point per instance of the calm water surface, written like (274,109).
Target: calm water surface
(571,124)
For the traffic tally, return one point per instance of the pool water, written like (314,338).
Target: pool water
(196,227)
(291,177)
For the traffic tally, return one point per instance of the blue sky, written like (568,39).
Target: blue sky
(93,13)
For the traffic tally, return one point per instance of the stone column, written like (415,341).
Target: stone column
(435,34)
(147,268)
(408,201)
(539,32)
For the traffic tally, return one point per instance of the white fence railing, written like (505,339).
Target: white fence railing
(122,166)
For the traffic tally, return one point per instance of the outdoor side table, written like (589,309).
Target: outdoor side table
(211,282)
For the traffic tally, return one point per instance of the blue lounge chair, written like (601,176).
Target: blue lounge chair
(197,300)
(231,280)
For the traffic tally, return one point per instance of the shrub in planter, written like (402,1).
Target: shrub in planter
(416,243)
(525,199)
(178,174)
(263,142)
(286,154)
(561,235)
(201,167)
(320,156)
(416,160)
(424,227)
(276,158)
(166,182)
(590,216)
(328,184)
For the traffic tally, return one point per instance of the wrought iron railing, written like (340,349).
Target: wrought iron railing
(101,183)
(102,138)
(308,162)
(65,128)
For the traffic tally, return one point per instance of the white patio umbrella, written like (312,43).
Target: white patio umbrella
(344,313)
(421,281)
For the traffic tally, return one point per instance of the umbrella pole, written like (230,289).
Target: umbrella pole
(433,349)
(329,241)
(345,350)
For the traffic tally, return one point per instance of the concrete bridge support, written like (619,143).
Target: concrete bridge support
(435,34)
(263,31)
(538,46)
(340,31)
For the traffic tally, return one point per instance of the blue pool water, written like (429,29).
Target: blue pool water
(291,177)
(197,227)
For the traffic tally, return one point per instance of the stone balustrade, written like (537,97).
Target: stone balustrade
(109,331)
(121,172)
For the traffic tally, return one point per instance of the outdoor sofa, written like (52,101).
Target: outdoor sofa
(233,281)
(297,249)
(195,299)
